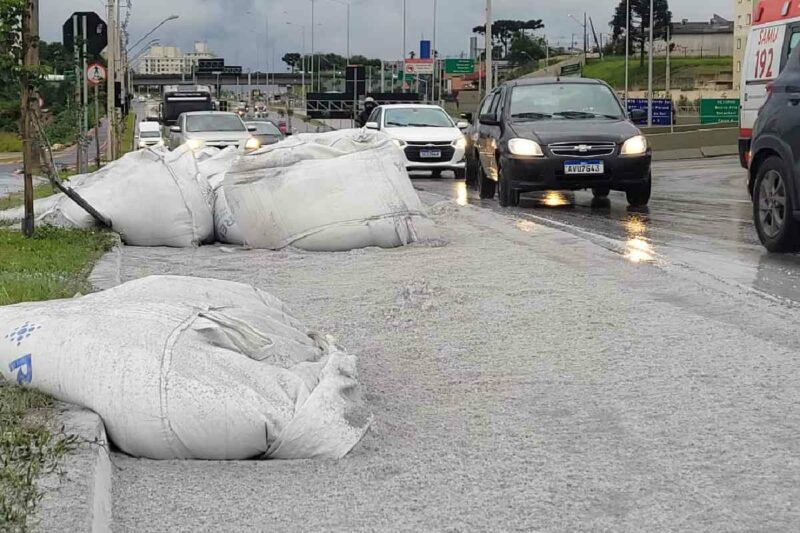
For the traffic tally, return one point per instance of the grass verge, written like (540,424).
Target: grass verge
(10,142)
(53,264)
(683,71)
(42,190)
(127,136)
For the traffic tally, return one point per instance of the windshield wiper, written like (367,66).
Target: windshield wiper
(416,125)
(532,115)
(396,124)
(582,114)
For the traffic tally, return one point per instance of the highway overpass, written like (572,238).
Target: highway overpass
(280,78)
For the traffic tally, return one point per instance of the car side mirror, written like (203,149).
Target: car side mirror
(175,129)
(372,126)
(489,120)
(252,129)
(638,115)
(467,116)
(462,124)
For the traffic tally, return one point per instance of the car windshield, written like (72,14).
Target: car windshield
(214,123)
(149,134)
(564,101)
(265,128)
(418,117)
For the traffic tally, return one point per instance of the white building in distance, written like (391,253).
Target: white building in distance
(170,59)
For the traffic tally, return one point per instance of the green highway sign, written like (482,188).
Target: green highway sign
(459,66)
(716,110)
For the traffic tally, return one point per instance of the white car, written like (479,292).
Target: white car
(430,139)
(148,134)
(217,129)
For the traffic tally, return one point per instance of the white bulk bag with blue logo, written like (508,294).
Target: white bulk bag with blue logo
(331,191)
(190,368)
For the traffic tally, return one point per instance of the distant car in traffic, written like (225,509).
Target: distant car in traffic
(212,128)
(773,176)
(148,134)
(429,138)
(558,134)
(267,132)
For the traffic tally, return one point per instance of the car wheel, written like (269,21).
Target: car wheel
(639,195)
(600,192)
(772,208)
(472,172)
(486,187)
(460,173)
(436,174)
(507,196)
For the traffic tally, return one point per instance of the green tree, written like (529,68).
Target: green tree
(524,49)
(293,59)
(504,31)
(640,23)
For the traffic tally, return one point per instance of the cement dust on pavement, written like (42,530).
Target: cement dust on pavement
(521,378)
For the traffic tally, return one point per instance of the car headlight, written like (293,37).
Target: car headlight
(460,143)
(252,144)
(399,143)
(195,144)
(636,145)
(525,147)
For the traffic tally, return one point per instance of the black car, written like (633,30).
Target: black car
(557,134)
(773,176)
(267,132)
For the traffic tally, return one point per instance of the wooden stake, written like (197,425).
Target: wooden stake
(30,48)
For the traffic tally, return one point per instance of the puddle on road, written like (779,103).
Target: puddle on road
(461,193)
(637,248)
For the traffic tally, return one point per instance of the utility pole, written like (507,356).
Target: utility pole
(111,140)
(97,125)
(627,46)
(312,45)
(82,141)
(650,72)
(30,44)
(78,94)
(433,52)
(585,40)
(488,45)
(405,51)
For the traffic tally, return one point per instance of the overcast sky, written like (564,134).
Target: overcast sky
(237,29)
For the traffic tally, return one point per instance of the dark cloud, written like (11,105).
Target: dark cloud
(237,29)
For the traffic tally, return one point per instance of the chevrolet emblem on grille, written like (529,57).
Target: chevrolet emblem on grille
(583,148)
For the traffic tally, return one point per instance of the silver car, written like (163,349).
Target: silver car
(218,129)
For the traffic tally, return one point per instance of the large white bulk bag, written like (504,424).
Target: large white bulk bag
(225,227)
(216,163)
(190,368)
(326,192)
(152,197)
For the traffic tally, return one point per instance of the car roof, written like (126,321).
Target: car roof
(194,113)
(549,81)
(420,106)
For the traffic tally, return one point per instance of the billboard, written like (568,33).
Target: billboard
(424,49)
(662,110)
(418,66)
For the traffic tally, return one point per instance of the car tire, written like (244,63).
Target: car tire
(460,173)
(639,195)
(771,196)
(507,196)
(600,192)
(486,186)
(472,172)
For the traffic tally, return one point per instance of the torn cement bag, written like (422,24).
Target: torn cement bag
(190,368)
(326,192)
(153,198)
(225,227)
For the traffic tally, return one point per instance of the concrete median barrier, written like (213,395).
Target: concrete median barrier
(710,142)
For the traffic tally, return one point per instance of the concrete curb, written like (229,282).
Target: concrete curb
(78,498)
(695,153)
(106,272)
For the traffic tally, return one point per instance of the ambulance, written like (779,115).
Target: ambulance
(774,34)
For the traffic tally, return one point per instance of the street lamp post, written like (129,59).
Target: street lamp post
(303,75)
(488,45)
(627,46)
(146,35)
(348,26)
(650,72)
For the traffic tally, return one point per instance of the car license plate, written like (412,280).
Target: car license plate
(583,167)
(430,153)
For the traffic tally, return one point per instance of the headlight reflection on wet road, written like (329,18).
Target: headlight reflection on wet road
(555,199)
(461,193)
(637,248)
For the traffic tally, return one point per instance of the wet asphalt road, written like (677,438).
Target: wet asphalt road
(699,219)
